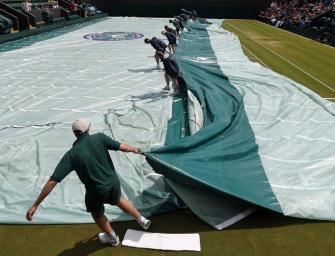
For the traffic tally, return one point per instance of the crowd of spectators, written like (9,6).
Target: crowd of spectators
(50,11)
(77,5)
(311,18)
(74,7)
(27,5)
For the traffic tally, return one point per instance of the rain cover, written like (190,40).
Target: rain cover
(99,71)
(265,138)
(261,137)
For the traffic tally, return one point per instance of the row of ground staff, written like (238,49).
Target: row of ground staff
(241,137)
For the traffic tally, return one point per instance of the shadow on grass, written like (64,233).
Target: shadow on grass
(264,218)
(84,247)
(184,221)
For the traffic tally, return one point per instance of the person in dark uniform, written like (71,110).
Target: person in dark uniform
(90,159)
(195,14)
(180,19)
(171,37)
(171,72)
(184,17)
(176,25)
(192,14)
(171,30)
(158,45)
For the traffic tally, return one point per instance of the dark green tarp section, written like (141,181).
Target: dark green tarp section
(223,155)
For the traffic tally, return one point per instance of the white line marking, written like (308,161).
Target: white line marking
(329,160)
(236,218)
(333,90)
(289,32)
(255,56)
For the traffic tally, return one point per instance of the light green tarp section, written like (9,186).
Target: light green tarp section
(217,209)
(293,126)
(48,81)
(266,139)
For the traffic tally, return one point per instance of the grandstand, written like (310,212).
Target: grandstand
(38,14)
(243,156)
(166,8)
(313,19)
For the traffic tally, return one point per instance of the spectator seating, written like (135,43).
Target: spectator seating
(57,14)
(11,17)
(310,18)
(5,25)
(43,16)
(17,3)
(20,20)
(66,4)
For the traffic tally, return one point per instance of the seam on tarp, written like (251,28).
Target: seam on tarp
(236,218)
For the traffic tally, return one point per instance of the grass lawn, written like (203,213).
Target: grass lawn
(305,61)
(262,233)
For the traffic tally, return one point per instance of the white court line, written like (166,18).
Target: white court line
(236,218)
(254,56)
(333,90)
(289,32)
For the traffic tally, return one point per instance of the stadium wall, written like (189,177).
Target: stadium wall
(168,8)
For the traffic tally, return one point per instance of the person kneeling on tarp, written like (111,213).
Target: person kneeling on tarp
(90,159)
(171,71)
(171,37)
(158,45)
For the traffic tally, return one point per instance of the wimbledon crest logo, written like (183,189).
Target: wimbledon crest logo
(113,36)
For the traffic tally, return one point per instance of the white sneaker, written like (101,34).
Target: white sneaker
(108,239)
(144,222)
(158,67)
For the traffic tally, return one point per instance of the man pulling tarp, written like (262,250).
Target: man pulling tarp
(90,159)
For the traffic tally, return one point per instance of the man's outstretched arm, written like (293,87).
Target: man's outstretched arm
(48,187)
(127,148)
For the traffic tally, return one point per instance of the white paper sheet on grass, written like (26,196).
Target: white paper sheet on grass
(161,241)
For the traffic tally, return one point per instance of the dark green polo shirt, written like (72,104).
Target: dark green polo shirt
(90,159)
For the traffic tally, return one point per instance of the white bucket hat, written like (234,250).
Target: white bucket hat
(81,124)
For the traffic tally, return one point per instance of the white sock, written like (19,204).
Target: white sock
(141,219)
(112,234)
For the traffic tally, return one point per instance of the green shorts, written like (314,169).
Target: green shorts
(95,201)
